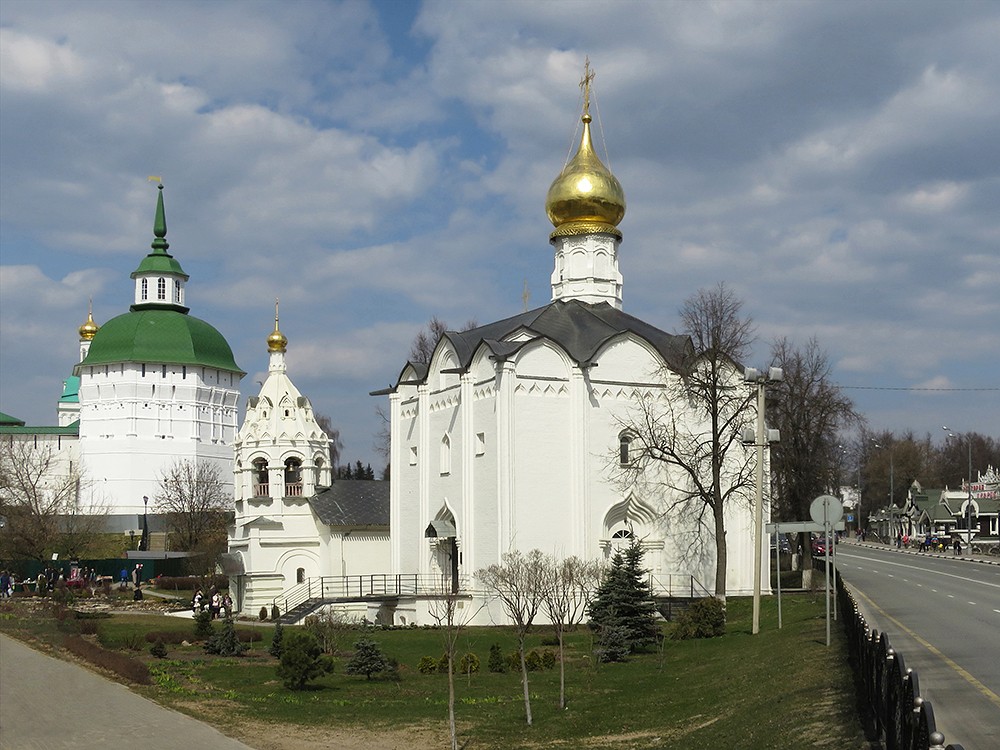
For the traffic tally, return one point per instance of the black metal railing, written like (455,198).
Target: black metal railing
(363,587)
(890,691)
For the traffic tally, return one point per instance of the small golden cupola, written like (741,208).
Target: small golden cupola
(586,197)
(89,329)
(276,342)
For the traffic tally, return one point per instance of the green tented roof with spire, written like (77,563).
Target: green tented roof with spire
(157,333)
(160,261)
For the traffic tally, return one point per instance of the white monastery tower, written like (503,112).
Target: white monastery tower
(157,385)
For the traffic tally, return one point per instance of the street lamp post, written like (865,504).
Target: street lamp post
(968,486)
(759,440)
(892,484)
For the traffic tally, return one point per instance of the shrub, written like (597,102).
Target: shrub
(496,662)
(443,664)
(276,638)
(514,661)
(158,649)
(191,583)
(131,641)
(549,659)
(533,661)
(368,659)
(302,660)
(469,663)
(427,665)
(225,643)
(705,618)
(275,612)
(263,614)
(249,635)
(203,625)
(120,664)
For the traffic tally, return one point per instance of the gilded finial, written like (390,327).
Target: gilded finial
(276,342)
(588,77)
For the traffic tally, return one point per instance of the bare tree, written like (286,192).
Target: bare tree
(422,348)
(333,438)
(194,499)
(445,610)
(41,499)
(687,439)
(811,412)
(566,597)
(519,581)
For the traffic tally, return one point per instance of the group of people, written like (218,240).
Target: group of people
(6,584)
(216,603)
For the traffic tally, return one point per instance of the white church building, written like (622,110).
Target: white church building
(296,533)
(510,438)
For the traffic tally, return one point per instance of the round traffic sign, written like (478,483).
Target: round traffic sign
(826,509)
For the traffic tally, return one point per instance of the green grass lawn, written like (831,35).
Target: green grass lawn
(779,689)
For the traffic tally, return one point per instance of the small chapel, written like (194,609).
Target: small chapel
(507,439)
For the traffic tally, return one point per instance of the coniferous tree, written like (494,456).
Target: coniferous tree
(624,601)
(276,639)
(227,642)
(368,659)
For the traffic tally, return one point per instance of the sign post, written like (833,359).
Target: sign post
(795,527)
(827,510)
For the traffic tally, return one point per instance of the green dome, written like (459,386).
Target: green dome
(161,336)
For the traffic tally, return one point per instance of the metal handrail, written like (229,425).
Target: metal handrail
(364,587)
(678,585)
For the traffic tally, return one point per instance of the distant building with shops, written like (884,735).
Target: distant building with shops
(945,513)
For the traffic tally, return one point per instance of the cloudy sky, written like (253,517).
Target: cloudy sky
(376,163)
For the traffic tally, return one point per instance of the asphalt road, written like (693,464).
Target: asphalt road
(943,616)
(47,704)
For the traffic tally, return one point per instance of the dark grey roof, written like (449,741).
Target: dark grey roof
(578,327)
(355,502)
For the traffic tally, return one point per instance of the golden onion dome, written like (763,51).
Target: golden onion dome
(89,329)
(585,197)
(276,342)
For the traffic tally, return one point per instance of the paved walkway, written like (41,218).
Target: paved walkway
(48,704)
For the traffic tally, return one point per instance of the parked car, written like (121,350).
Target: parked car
(782,544)
(819,544)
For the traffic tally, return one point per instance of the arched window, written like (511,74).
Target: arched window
(300,575)
(622,534)
(145,289)
(177,291)
(161,288)
(625,448)
(446,455)
(318,463)
(293,477)
(260,483)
